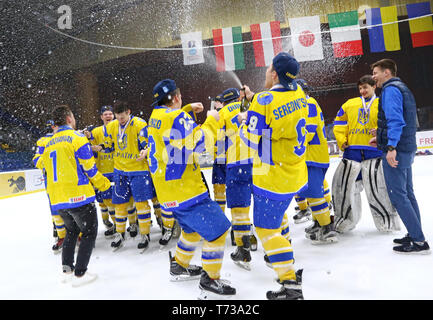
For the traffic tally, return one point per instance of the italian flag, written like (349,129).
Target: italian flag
(345,34)
(267,42)
(228,56)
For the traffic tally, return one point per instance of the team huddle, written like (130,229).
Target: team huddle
(264,156)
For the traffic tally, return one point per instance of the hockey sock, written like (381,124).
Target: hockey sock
(285,230)
(327,191)
(110,207)
(219,191)
(60,226)
(156,207)
(121,216)
(301,202)
(167,219)
(143,214)
(212,256)
(320,210)
(104,210)
(132,212)
(279,251)
(185,248)
(241,223)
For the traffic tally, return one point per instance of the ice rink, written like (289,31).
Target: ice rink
(362,265)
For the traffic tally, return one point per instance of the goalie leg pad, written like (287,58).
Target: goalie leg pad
(345,195)
(385,216)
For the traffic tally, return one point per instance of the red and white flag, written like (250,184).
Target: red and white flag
(306,38)
(267,42)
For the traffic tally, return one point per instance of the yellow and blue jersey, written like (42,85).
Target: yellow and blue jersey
(127,147)
(71,170)
(104,158)
(174,142)
(353,123)
(317,154)
(40,147)
(228,140)
(276,130)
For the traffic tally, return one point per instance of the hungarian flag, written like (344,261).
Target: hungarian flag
(421,30)
(383,37)
(266,42)
(306,38)
(345,34)
(229,56)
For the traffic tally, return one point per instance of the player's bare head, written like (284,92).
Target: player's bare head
(62,115)
(122,110)
(366,86)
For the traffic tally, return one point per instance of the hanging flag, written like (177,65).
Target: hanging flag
(267,42)
(228,57)
(383,37)
(192,45)
(306,38)
(345,34)
(421,30)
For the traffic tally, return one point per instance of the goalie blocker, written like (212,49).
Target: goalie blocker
(347,198)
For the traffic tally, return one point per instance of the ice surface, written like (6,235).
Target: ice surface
(361,266)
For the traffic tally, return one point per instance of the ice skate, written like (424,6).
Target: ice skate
(214,289)
(302,216)
(67,274)
(167,234)
(177,230)
(107,223)
(83,280)
(144,243)
(57,247)
(179,273)
(326,234)
(159,222)
(118,241)
(242,256)
(290,289)
(312,229)
(133,230)
(253,243)
(267,261)
(109,233)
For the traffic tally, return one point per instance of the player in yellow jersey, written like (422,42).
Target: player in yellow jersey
(238,176)
(105,164)
(275,127)
(59,226)
(317,159)
(131,177)
(174,143)
(352,126)
(71,178)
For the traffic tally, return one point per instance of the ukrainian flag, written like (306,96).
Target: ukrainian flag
(421,30)
(383,37)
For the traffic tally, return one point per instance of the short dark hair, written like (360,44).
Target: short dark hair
(168,99)
(121,106)
(60,113)
(367,79)
(386,64)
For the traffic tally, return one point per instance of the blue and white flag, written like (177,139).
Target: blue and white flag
(192,46)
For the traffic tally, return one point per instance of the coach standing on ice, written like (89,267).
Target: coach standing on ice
(396,136)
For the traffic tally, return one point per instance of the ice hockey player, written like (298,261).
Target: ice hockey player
(174,141)
(361,164)
(317,159)
(275,126)
(105,164)
(131,177)
(71,178)
(59,231)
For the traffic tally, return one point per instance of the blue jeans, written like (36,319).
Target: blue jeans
(400,190)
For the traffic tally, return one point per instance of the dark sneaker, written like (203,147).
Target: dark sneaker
(404,240)
(413,247)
